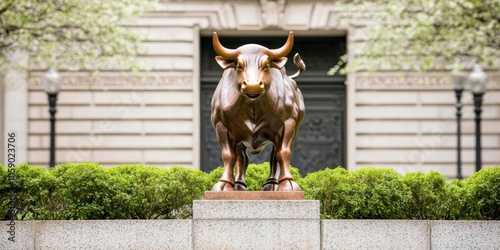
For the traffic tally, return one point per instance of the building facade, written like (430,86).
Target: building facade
(402,120)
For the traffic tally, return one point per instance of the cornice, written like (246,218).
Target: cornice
(254,15)
(115,81)
(413,80)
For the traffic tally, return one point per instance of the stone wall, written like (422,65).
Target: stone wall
(407,121)
(118,118)
(180,234)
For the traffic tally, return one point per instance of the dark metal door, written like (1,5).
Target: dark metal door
(320,142)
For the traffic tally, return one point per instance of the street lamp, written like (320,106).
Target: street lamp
(459,80)
(477,81)
(52,82)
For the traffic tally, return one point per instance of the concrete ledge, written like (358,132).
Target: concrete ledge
(465,234)
(252,234)
(375,234)
(24,235)
(254,195)
(102,234)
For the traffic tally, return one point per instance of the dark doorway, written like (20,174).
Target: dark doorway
(320,142)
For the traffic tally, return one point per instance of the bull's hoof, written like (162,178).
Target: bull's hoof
(270,185)
(223,186)
(288,185)
(240,186)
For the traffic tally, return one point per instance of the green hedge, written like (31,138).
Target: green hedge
(481,195)
(367,193)
(378,193)
(86,191)
(89,191)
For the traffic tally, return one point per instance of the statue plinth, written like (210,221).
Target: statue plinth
(256,224)
(254,195)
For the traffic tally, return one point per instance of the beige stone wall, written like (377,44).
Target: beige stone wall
(405,121)
(118,118)
(113,124)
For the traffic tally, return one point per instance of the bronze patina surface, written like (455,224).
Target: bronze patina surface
(256,104)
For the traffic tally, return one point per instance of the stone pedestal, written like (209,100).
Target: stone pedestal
(256,224)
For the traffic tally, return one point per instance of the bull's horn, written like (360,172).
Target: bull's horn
(221,51)
(283,51)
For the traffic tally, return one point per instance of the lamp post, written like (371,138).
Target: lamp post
(459,79)
(52,82)
(477,81)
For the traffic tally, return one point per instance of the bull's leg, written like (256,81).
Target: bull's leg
(228,150)
(241,168)
(283,153)
(272,182)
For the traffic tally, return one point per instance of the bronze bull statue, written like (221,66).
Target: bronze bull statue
(255,104)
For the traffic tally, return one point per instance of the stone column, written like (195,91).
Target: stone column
(2,118)
(15,108)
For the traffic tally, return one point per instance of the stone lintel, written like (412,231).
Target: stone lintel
(254,195)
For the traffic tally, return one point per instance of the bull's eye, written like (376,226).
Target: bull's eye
(267,66)
(239,67)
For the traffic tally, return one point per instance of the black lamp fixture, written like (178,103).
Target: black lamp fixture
(478,80)
(459,80)
(52,82)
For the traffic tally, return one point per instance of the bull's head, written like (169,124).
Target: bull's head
(252,63)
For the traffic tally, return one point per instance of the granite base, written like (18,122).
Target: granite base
(256,224)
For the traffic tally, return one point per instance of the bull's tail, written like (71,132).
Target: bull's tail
(300,64)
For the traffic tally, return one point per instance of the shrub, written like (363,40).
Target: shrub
(145,192)
(430,196)
(85,191)
(255,176)
(367,193)
(4,193)
(482,195)
(371,193)
(332,188)
(36,193)
(137,191)
(185,185)
(455,199)
(383,193)
(90,191)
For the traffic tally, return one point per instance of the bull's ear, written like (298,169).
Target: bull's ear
(225,63)
(279,63)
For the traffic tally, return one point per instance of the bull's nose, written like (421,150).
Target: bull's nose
(252,88)
(252,84)
(252,81)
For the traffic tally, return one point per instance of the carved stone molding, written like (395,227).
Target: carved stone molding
(121,82)
(254,15)
(272,12)
(417,80)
